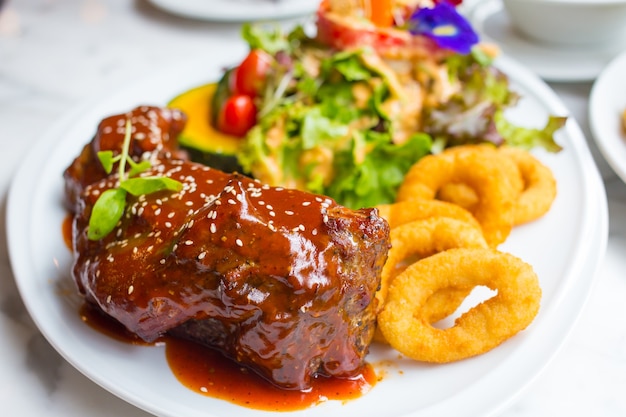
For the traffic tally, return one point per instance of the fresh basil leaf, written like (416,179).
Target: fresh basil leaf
(107,160)
(106,212)
(149,185)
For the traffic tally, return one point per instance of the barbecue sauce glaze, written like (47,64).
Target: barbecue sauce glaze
(209,373)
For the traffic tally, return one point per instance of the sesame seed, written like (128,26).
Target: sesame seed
(202,255)
(213,228)
(189,242)
(239,242)
(130,290)
(306,203)
(289,212)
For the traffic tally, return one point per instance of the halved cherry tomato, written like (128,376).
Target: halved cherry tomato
(338,32)
(237,115)
(250,76)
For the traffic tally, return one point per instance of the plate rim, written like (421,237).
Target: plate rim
(225,11)
(517,74)
(611,144)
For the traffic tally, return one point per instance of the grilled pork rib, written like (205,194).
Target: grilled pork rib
(280,280)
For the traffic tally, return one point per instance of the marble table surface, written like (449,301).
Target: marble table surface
(56,53)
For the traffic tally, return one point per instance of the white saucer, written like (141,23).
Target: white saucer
(237,10)
(607,101)
(550,62)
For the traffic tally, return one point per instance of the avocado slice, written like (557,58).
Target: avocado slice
(203,142)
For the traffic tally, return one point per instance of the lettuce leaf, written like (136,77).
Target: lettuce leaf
(376,178)
(323,124)
(477,112)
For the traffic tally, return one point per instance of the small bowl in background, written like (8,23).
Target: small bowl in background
(569,22)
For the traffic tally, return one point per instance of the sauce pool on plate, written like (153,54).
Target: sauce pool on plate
(207,372)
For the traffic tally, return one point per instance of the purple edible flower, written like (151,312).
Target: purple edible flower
(444,25)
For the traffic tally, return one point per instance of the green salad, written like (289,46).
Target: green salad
(349,123)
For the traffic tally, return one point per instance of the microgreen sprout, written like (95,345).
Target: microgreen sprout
(110,206)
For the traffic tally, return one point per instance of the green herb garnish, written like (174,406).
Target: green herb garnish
(110,206)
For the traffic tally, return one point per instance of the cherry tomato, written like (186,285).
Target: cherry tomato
(237,115)
(250,75)
(341,33)
(338,33)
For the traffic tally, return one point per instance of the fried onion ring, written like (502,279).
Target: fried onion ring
(539,189)
(480,329)
(458,194)
(403,212)
(476,168)
(422,238)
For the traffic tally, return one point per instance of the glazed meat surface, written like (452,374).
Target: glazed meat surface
(280,280)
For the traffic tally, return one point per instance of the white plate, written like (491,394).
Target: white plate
(550,62)
(607,102)
(565,247)
(238,10)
